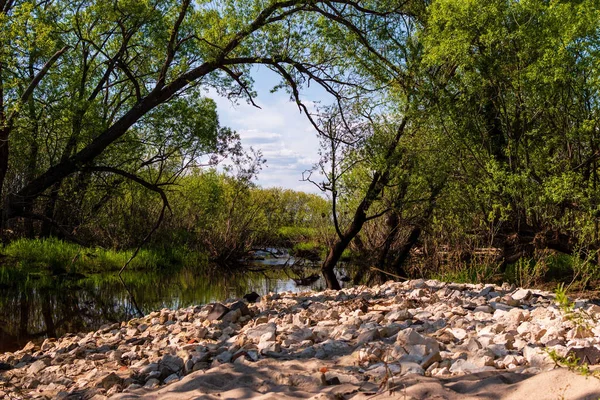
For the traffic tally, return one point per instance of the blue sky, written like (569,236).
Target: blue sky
(286,138)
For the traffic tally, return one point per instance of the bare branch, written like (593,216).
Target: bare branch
(243,85)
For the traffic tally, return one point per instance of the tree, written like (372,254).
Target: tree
(521,103)
(131,58)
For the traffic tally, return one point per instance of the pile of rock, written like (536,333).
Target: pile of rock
(419,327)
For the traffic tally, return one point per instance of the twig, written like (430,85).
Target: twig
(135,253)
(137,308)
(388,273)
(266,251)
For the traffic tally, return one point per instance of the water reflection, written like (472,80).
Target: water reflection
(34,306)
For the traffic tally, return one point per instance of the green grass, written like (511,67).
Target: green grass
(307,246)
(296,233)
(310,250)
(467,274)
(57,256)
(527,272)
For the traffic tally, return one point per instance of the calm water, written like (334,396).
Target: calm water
(34,306)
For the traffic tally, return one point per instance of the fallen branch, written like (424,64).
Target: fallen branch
(388,273)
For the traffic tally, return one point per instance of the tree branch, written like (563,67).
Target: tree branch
(37,79)
(172,45)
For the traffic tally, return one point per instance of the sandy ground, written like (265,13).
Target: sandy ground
(301,379)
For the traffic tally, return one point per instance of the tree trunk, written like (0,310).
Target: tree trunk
(334,255)
(4,152)
(378,182)
(17,203)
(4,131)
(413,238)
(47,228)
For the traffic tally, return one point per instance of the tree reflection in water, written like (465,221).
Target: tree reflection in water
(35,306)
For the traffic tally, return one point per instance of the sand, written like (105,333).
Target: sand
(300,379)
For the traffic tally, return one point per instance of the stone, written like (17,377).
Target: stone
(217,311)
(580,332)
(131,387)
(368,336)
(171,378)
(430,359)
(224,357)
(408,367)
(507,339)
(5,367)
(268,337)
(418,327)
(37,366)
(107,381)
(330,348)
(473,345)
(398,315)
(459,333)
(256,332)
(149,368)
(29,347)
(152,383)
(586,355)
(232,316)
(461,366)
(31,383)
(171,362)
(485,309)
(269,347)
(521,295)
(537,357)
(411,337)
(240,305)
(252,297)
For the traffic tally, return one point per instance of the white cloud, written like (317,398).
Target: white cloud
(285,136)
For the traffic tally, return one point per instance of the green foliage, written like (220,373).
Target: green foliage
(466,274)
(562,300)
(581,319)
(526,272)
(294,234)
(571,362)
(57,256)
(498,155)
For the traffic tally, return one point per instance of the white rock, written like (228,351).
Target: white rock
(171,378)
(37,367)
(408,367)
(256,332)
(521,295)
(537,357)
(411,337)
(152,383)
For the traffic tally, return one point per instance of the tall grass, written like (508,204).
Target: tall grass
(59,256)
(473,273)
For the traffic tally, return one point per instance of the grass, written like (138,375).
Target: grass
(468,274)
(57,256)
(309,250)
(542,269)
(296,233)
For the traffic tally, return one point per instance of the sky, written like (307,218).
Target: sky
(286,138)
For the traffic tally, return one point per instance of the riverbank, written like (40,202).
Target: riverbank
(419,339)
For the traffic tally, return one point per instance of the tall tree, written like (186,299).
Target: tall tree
(522,104)
(127,59)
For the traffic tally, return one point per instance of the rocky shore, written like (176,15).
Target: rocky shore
(356,342)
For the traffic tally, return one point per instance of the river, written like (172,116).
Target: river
(34,306)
